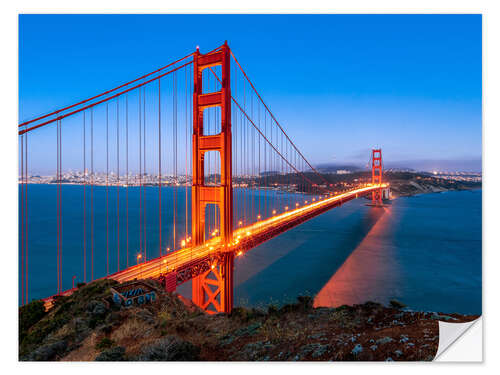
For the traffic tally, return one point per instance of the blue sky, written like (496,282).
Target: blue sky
(340,84)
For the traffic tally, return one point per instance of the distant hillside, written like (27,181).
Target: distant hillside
(333,168)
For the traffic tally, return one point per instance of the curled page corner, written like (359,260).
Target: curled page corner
(451,334)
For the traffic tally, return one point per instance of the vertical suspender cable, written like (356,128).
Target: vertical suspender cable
(26,215)
(118,183)
(265,162)
(107,190)
(60,210)
(92,194)
(145,173)
(259,171)
(126,163)
(244,157)
(60,206)
(23,214)
(59,289)
(174,148)
(252,153)
(84,205)
(159,170)
(186,149)
(57,195)
(140,172)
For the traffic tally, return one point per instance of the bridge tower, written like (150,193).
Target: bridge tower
(213,289)
(377,175)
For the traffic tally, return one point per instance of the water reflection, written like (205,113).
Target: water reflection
(369,273)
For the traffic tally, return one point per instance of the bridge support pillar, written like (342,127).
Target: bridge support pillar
(214,288)
(377,175)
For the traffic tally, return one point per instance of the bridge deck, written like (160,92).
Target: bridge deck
(244,239)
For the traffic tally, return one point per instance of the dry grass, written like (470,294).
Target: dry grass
(131,330)
(276,330)
(87,351)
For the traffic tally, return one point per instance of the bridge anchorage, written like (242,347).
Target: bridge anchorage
(257,186)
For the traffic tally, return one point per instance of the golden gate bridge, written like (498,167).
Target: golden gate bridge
(200,127)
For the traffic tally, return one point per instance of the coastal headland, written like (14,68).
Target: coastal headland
(89,325)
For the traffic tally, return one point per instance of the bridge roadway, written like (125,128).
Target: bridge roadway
(184,264)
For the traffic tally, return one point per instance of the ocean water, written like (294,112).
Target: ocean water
(424,251)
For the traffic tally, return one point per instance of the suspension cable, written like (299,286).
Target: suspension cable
(104,93)
(274,118)
(103,100)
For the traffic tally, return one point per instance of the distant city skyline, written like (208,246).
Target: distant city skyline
(340,84)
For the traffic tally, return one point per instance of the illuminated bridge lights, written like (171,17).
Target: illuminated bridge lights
(180,258)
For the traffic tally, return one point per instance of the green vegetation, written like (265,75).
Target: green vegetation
(105,343)
(396,304)
(29,315)
(42,331)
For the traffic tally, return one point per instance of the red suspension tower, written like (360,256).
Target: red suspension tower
(377,175)
(213,289)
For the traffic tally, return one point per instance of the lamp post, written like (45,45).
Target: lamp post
(139,257)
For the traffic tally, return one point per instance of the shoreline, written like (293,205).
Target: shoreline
(437,191)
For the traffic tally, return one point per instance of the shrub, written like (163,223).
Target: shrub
(29,315)
(272,310)
(114,354)
(305,302)
(170,348)
(396,304)
(104,343)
